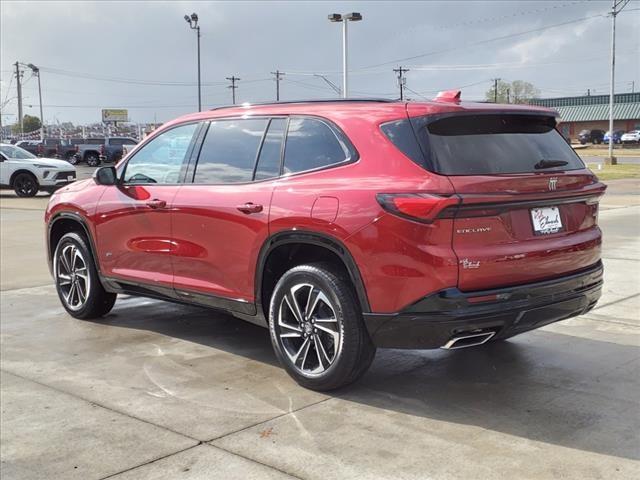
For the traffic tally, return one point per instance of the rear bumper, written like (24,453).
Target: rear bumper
(434,320)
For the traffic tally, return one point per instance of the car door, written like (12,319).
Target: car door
(221,220)
(133,227)
(9,162)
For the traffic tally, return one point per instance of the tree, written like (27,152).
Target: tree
(29,124)
(517,91)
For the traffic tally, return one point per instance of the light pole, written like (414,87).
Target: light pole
(193,23)
(36,72)
(616,7)
(346,18)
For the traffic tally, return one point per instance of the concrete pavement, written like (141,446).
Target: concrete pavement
(157,390)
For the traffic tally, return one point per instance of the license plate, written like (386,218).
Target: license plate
(546,220)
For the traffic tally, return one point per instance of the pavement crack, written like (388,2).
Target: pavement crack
(269,420)
(623,299)
(150,461)
(257,461)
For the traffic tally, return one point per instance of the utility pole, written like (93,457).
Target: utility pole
(278,75)
(495,89)
(233,79)
(402,81)
(616,8)
(19,87)
(508,95)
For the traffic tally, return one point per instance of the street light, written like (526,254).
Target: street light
(346,18)
(36,72)
(193,23)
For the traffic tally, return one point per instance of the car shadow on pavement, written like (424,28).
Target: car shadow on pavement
(544,386)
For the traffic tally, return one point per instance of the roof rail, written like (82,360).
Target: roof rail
(323,100)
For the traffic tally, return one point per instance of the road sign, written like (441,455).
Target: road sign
(110,115)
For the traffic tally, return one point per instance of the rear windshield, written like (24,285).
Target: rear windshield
(489,144)
(495,144)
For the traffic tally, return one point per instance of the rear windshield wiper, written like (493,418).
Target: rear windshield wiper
(550,163)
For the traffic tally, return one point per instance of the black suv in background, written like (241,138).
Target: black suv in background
(591,136)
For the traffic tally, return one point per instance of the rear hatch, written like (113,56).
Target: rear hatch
(528,205)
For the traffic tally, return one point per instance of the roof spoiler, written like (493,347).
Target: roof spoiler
(448,96)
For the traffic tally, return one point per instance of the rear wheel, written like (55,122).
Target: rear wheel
(317,330)
(77,282)
(25,185)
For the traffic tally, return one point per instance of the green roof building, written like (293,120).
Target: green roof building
(591,112)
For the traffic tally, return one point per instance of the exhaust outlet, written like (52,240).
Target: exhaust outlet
(468,340)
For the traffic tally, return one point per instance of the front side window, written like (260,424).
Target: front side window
(9,151)
(229,151)
(160,160)
(311,144)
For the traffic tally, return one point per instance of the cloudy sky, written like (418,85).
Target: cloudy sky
(141,55)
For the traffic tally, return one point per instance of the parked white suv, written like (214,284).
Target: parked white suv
(631,137)
(27,174)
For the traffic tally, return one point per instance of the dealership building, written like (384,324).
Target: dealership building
(590,112)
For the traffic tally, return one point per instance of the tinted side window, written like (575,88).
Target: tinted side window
(269,159)
(229,151)
(128,141)
(311,144)
(160,160)
(115,141)
(95,141)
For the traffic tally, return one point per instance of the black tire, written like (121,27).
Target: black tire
(98,301)
(92,159)
(25,185)
(353,352)
(73,159)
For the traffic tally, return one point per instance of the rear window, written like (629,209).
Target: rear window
(488,144)
(498,144)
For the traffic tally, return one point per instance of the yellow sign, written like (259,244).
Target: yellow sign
(115,115)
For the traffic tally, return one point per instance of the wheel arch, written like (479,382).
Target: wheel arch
(65,222)
(18,172)
(290,240)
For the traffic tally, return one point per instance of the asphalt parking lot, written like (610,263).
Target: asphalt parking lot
(156,390)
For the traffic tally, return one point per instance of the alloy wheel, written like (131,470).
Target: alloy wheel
(308,329)
(26,186)
(72,276)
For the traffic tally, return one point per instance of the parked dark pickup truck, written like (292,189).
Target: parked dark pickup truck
(47,148)
(113,150)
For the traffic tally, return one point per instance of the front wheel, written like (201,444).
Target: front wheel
(25,185)
(93,160)
(317,329)
(77,281)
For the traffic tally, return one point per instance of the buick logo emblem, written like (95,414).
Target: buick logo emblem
(553,183)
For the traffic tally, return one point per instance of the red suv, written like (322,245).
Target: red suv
(342,226)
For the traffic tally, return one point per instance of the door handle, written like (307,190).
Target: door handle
(156,203)
(249,207)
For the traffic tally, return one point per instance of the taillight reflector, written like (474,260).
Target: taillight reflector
(420,207)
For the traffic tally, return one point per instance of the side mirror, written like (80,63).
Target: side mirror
(105,176)
(2,159)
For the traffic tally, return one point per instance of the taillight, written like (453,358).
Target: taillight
(101,149)
(420,207)
(77,148)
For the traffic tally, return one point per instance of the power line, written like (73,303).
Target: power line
(480,42)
